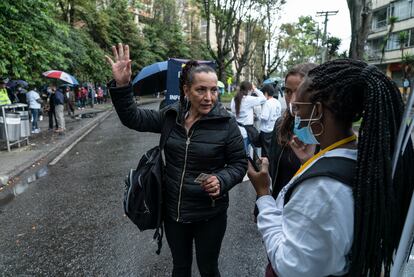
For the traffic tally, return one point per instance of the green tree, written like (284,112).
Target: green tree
(245,45)
(86,60)
(30,39)
(391,22)
(333,44)
(164,34)
(299,40)
(271,59)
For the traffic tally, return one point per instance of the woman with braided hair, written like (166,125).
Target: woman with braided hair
(341,214)
(204,139)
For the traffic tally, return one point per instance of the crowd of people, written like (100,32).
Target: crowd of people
(326,202)
(52,101)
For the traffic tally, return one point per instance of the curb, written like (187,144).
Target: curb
(47,156)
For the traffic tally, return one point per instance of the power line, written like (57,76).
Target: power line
(326,14)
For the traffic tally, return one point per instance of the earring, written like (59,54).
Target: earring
(322,128)
(187,103)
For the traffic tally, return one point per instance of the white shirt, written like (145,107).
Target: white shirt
(246,109)
(271,111)
(31,98)
(313,233)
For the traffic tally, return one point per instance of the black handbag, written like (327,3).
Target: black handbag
(252,134)
(143,188)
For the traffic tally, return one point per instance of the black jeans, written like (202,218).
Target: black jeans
(207,236)
(52,114)
(265,140)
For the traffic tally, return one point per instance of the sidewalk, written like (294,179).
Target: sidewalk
(43,147)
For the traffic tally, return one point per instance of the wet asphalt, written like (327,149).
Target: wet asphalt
(67,219)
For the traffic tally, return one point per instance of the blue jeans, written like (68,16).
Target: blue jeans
(246,143)
(35,116)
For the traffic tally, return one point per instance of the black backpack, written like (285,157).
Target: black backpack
(338,168)
(143,188)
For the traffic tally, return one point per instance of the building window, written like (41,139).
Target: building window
(410,38)
(379,19)
(401,9)
(393,42)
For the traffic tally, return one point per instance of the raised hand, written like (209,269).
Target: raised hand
(121,67)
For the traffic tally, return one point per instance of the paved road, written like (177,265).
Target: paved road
(70,221)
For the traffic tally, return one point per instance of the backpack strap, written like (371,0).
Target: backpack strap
(167,127)
(338,168)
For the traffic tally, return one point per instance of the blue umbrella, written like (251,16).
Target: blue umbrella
(151,79)
(269,81)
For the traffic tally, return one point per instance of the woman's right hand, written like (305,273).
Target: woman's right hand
(260,180)
(121,67)
(303,151)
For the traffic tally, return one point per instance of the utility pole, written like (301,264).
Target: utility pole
(324,46)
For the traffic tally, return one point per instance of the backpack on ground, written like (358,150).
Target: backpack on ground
(143,188)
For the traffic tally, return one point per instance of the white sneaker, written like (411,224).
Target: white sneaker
(37,131)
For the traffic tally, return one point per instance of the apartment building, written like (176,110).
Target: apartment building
(387,54)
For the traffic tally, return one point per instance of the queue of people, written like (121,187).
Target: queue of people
(327,205)
(51,100)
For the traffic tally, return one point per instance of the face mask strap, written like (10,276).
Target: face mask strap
(316,121)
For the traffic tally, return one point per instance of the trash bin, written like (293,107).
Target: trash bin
(24,124)
(13,126)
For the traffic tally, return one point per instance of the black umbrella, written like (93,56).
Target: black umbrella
(151,79)
(14,83)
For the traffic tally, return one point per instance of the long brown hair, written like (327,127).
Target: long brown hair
(285,127)
(244,89)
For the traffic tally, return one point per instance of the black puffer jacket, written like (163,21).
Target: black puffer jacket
(213,146)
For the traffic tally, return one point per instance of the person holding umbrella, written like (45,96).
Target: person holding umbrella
(204,139)
(51,111)
(59,107)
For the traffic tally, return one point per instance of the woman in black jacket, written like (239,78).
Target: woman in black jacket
(205,139)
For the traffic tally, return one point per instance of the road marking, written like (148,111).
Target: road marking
(64,152)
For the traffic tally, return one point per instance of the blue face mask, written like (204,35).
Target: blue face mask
(305,134)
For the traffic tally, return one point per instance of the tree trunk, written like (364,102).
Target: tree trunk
(221,71)
(361,15)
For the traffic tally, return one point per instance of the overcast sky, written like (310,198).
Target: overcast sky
(339,25)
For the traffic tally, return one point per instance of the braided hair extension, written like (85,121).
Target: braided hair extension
(286,126)
(187,77)
(352,90)
(244,89)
